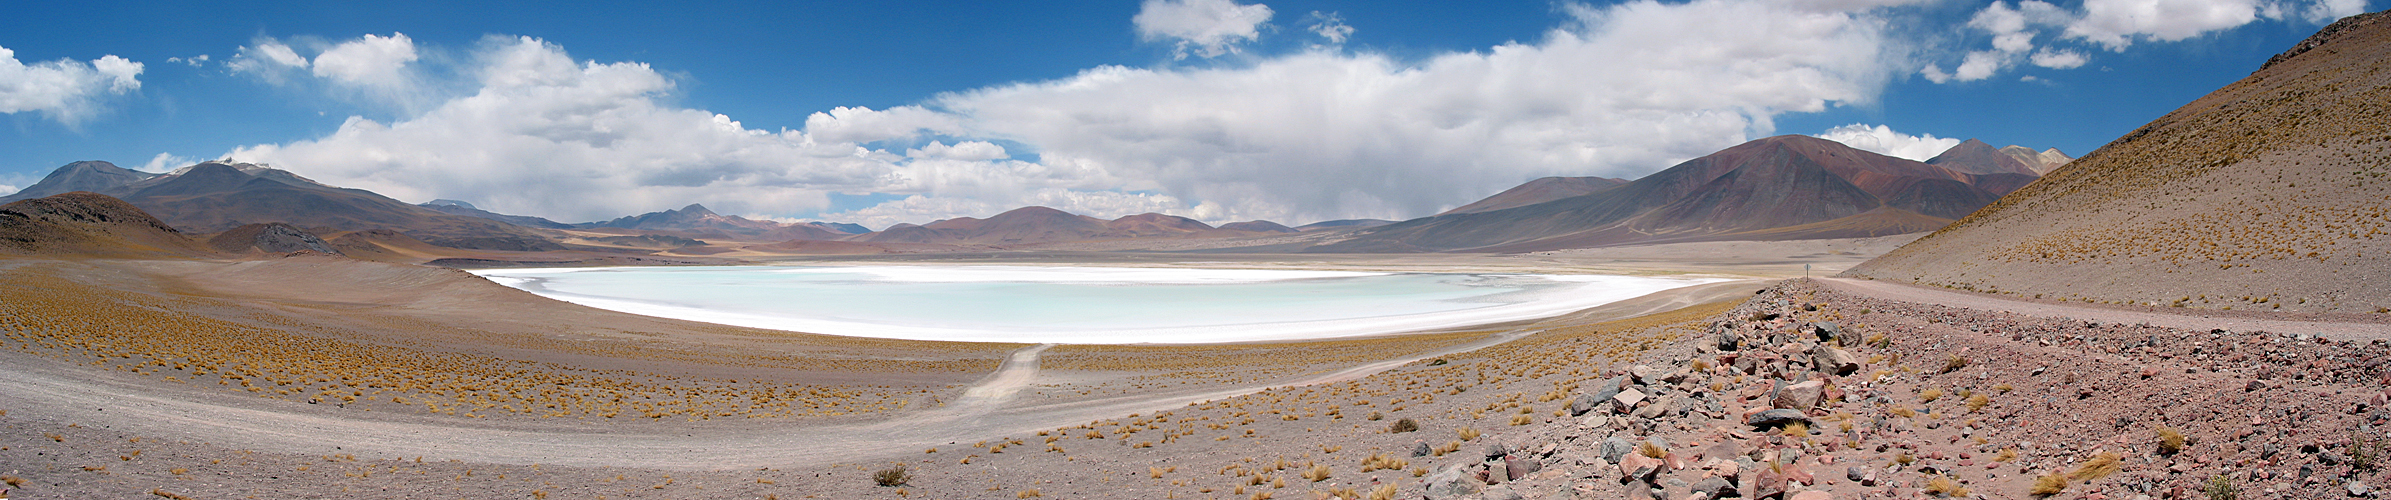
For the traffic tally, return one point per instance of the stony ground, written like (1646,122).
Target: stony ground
(1798,392)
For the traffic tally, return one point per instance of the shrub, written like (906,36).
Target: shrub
(892,476)
(1469,433)
(1650,449)
(1954,364)
(1930,395)
(1945,487)
(2048,484)
(1403,425)
(2170,440)
(2099,466)
(2220,487)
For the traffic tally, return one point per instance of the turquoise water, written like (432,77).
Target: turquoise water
(1075,304)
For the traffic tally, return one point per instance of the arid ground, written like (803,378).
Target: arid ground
(315,377)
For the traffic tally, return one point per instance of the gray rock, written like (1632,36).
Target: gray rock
(1496,449)
(1777,418)
(1645,375)
(2358,489)
(1713,487)
(1855,473)
(1827,331)
(1501,493)
(1729,340)
(1608,389)
(1616,447)
(1420,449)
(1584,403)
(1450,483)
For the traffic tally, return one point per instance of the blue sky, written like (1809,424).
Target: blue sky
(1215,109)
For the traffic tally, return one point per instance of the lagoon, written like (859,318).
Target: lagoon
(1084,305)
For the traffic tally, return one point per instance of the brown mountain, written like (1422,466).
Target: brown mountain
(270,238)
(695,221)
(217,196)
(2273,192)
(93,176)
(1538,191)
(1258,226)
(1758,190)
(1018,226)
(2042,163)
(89,224)
(454,207)
(1976,157)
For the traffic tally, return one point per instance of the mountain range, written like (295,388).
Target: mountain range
(1788,187)
(1776,188)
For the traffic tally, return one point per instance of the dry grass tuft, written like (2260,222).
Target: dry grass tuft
(2171,441)
(1943,486)
(2099,466)
(892,476)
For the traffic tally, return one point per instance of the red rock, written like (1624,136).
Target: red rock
(1811,495)
(1638,466)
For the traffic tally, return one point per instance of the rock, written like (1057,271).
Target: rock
(1645,375)
(1835,361)
(1729,341)
(1420,449)
(1450,483)
(1768,484)
(1855,473)
(1584,403)
(1519,468)
(1501,493)
(1713,487)
(1811,495)
(1636,466)
(1800,396)
(1617,447)
(1776,418)
(1827,331)
(1628,398)
(1655,410)
(1609,389)
(1594,422)
(2358,489)
(1496,449)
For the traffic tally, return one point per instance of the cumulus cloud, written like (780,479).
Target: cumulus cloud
(64,90)
(1619,90)
(1883,140)
(1329,26)
(268,59)
(2017,30)
(370,61)
(1206,28)
(165,162)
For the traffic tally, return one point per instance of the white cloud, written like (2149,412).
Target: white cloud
(2327,11)
(2059,59)
(1206,28)
(1883,140)
(1618,91)
(2113,25)
(546,136)
(862,125)
(64,90)
(1623,91)
(166,162)
(370,61)
(1329,26)
(268,59)
(966,151)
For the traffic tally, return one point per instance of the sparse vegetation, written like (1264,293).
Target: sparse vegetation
(1403,425)
(2220,487)
(892,476)
(2170,441)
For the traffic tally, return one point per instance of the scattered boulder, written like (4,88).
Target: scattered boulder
(1776,418)
(1519,468)
(1449,483)
(1627,399)
(1616,448)
(1836,361)
(1799,396)
(1713,487)
(1420,449)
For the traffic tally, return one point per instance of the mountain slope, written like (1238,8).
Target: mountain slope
(271,238)
(2273,192)
(1752,190)
(695,221)
(93,176)
(454,207)
(217,196)
(1538,191)
(1976,157)
(88,224)
(2042,162)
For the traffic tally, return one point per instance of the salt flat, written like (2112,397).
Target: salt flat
(1076,304)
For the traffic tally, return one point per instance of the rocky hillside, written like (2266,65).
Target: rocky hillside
(1538,191)
(2272,193)
(88,224)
